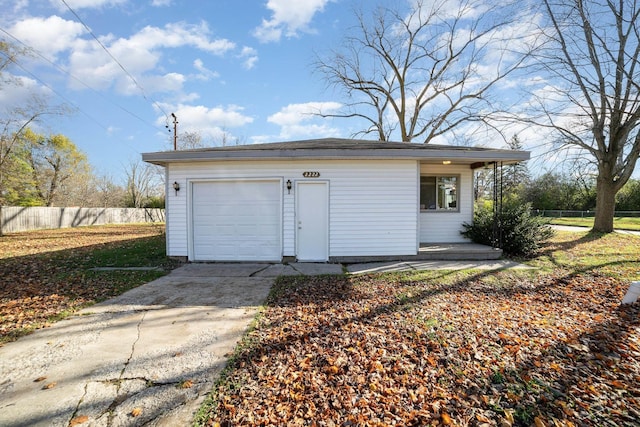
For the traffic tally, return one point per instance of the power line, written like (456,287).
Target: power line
(56,92)
(63,71)
(133,79)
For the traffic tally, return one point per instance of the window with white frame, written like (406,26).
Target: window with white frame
(439,193)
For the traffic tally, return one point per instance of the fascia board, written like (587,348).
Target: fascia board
(469,155)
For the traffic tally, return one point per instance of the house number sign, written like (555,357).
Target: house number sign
(311,174)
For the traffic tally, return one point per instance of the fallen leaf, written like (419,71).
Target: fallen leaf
(80,419)
(508,415)
(332,370)
(538,422)
(342,351)
(136,412)
(49,386)
(446,419)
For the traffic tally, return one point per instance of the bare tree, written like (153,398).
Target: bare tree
(143,183)
(190,140)
(592,100)
(194,139)
(108,194)
(425,73)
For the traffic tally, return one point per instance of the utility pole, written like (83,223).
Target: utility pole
(175,132)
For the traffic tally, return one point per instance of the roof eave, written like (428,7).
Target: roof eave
(467,156)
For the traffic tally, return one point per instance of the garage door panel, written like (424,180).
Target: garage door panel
(237,220)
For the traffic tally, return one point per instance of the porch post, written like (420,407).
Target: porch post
(500,229)
(496,238)
(494,231)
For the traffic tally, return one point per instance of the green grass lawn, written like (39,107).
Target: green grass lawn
(46,275)
(619,223)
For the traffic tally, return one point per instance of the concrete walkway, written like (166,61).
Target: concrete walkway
(384,267)
(156,349)
(586,229)
(150,356)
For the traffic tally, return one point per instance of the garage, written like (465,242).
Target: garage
(318,200)
(236,220)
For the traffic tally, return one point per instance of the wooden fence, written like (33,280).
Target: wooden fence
(14,219)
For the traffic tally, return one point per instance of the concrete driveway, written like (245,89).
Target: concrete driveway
(150,356)
(147,357)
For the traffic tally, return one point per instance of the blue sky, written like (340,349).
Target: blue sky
(239,67)
(242,68)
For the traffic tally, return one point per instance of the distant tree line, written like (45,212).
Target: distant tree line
(49,170)
(560,191)
(551,190)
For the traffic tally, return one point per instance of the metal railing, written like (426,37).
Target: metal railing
(557,213)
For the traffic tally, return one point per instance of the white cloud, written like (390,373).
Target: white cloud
(49,36)
(86,4)
(15,95)
(451,9)
(209,122)
(250,57)
(17,6)
(205,74)
(180,34)
(302,120)
(294,114)
(169,82)
(161,3)
(261,139)
(212,123)
(289,17)
(140,54)
(188,97)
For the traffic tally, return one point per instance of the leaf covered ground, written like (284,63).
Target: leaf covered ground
(47,274)
(549,347)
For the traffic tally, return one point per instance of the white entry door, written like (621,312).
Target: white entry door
(312,221)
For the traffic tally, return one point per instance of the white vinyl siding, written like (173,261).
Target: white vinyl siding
(373,209)
(372,203)
(176,214)
(445,227)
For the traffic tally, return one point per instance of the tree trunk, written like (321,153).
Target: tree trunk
(605,205)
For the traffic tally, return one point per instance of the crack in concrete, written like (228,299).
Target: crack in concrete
(260,270)
(75,411)
(147,381)
(295,269)
(119,399)
(118,381)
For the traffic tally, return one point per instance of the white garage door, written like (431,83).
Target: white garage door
(236,221)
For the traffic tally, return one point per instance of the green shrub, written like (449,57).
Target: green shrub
(522,233)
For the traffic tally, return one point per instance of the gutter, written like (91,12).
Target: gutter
(161,158)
